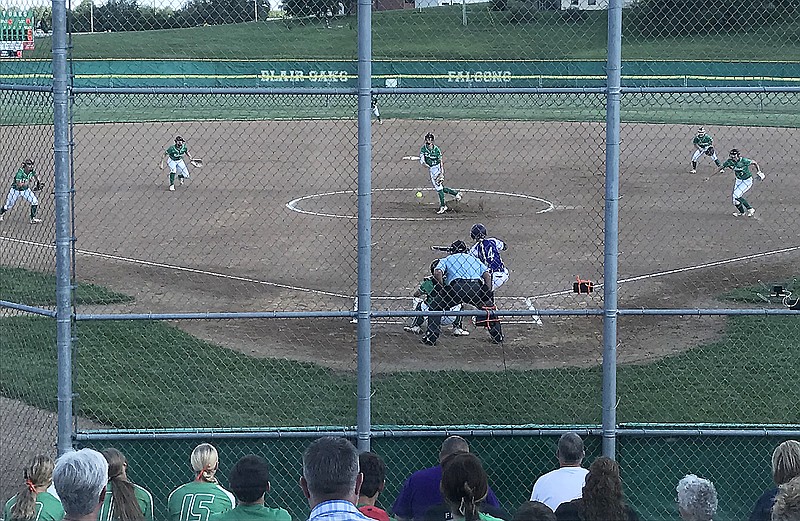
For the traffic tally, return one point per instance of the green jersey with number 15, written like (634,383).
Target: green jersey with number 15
(197,501)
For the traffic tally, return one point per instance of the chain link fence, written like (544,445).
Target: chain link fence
(222,310)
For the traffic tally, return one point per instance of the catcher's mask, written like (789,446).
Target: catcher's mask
(433,265)
(478,232)
(458,247)
(701,131)
(735,153)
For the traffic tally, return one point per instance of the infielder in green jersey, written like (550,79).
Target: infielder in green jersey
(704,144)
(21,187)
(175,162)
(431,156)
(33,502)
(203,496)
(744,181)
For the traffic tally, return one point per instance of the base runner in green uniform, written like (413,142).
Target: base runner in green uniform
(430,155)
(33,502)
(204,496)
(175,162)
(21,187)
(124,500)
(249,482)
(744,181)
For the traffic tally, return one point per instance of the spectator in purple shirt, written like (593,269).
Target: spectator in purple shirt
(421,490)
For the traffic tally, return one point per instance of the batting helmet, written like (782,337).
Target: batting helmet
(478,232)
(735,152)
(433,265)
(27,162)
(429,136)
(458,247)
(701,131)
(178,138)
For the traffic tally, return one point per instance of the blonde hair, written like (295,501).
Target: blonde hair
(205,461)
(38,473)
(786,461)
(787,501)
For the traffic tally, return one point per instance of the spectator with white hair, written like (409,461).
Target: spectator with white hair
(80,479)
(697,499)
(785,466)
(787,501)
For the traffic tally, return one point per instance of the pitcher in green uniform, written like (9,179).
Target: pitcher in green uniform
(33,502)
(175,162)
(703,144)
(21,187)
(430,156)
(744,181)
(204,496)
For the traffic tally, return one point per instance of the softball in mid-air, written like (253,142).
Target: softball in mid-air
(419,195)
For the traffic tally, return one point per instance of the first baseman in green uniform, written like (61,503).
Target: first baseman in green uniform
(744,181)
(21,187)
(430,155)
(175,162)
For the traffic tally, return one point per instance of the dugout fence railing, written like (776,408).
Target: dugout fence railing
(670,365)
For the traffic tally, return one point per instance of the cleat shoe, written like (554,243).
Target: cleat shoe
(171,188)
(692,171)
(427,341)
(34,220)
(181,181)
(457,331)
(1,218)
(737,214)
(442,209)
(413,329)
(751,212)
(458,196)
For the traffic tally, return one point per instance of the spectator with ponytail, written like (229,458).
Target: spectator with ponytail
(33,502)
(124,500)
(465,486)
(602,498)
(203,496)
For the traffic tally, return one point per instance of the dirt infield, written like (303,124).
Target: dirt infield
(227,241)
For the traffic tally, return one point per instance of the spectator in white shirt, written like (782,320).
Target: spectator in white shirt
(565,483)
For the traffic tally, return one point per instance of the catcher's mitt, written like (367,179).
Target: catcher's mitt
(197,163)
(38,186)
(710,151)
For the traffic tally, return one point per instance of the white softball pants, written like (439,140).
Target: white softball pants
(435,171)
(740,188)
(178,167)
(14,194)
(698,153)
(499,278)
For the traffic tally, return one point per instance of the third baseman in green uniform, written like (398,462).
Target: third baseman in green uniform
(704,144)
(175,162)
(744,181)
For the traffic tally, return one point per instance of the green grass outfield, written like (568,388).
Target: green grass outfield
(430,33)
(137,374)
(773,109)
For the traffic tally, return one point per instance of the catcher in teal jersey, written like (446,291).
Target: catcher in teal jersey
(744,181)
(431,156)
(175,162)
(21,187)
(704,144)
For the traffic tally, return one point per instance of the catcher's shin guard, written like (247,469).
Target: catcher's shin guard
(489,319)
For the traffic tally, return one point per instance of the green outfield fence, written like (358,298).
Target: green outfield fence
(262,303)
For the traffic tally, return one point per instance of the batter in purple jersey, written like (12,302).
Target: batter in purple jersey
(487,250)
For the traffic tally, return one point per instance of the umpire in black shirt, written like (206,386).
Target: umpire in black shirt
(461,278)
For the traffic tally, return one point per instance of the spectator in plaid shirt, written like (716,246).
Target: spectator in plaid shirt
(331,480)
